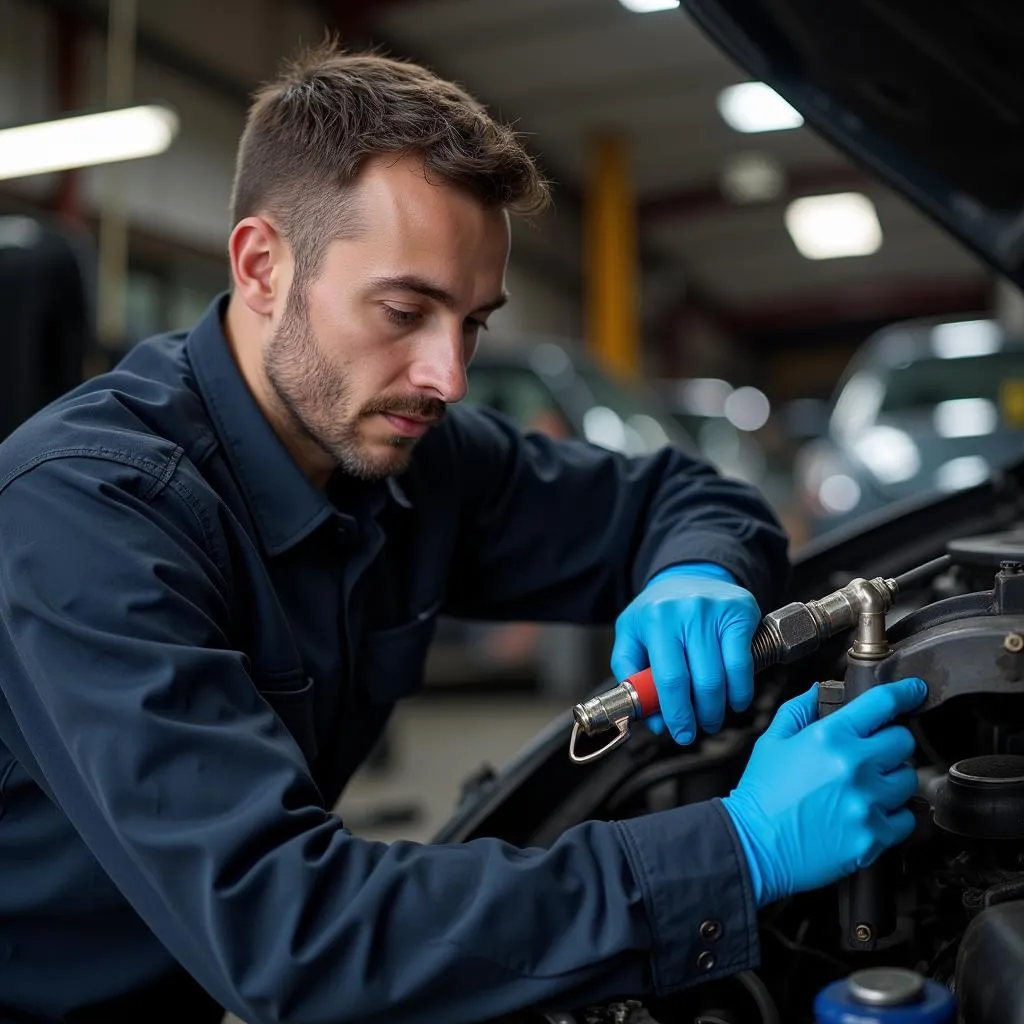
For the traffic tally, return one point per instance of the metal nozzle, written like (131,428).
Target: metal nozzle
(603,711)
(613,709)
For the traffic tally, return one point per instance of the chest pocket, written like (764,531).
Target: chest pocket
(391,661)
(290,695)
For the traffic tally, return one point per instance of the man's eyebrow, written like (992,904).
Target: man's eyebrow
(423,287)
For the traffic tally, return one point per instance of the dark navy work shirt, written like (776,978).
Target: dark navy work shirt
(197,649)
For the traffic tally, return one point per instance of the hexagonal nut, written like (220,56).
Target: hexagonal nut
(795,628)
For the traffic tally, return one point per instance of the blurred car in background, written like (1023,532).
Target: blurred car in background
(737,429)
(552,385)
(723,420)
(925,406)
(549,385)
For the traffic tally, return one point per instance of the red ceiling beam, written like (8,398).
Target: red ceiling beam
(877,300)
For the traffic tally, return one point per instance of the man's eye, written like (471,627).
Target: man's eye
(474,325)
(400,317)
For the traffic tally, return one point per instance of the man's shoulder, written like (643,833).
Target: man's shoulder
(143,415)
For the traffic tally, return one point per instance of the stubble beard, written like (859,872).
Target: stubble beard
(316,399)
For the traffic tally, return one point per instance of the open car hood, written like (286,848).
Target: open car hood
(927,94)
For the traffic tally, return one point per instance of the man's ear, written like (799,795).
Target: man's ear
(259,264)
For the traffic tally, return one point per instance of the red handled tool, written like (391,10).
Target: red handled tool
(634,698)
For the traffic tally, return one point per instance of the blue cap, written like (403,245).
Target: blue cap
(885,995)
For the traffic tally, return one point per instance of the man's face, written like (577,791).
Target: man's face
(366,358)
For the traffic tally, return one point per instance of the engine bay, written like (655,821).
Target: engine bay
(949,903)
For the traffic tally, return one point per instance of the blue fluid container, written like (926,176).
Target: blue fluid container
(885,995)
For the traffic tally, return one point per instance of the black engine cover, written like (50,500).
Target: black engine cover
(990,967)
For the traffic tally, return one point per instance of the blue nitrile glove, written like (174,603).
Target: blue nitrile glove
(692,625)
(819,799)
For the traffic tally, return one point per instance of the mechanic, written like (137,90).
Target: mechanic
(221,565)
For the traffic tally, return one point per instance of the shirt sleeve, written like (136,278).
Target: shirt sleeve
(567,531)
(140,719)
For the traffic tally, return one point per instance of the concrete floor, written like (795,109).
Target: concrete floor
(438,740)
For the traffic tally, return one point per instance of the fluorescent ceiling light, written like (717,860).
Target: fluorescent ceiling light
(832,226)
(649,6)
(756,107)
(84,140)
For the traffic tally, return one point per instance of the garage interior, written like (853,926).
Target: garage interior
(665,258)
(670,272)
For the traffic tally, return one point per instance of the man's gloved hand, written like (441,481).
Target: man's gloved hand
(693,626)
(820,799)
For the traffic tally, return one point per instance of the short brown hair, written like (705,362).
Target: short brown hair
(310,131)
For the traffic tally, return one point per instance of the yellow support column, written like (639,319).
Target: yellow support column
(611,258)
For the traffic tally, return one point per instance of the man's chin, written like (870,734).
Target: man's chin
(396,459)
(379,461)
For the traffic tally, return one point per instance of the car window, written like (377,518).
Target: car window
(998,377)
(590,405)
(519,394)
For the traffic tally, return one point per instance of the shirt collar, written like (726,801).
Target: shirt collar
(284,502)
(398,492)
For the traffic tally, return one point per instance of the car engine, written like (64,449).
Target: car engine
(948,904)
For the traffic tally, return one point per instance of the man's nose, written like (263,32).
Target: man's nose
(440,364)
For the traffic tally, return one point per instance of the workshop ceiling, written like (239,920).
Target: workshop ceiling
(566,69)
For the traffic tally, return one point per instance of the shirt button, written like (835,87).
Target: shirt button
(711,931)
(706,961)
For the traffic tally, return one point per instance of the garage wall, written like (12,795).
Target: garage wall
(544,278)
(25,93)
(182,195)
(536,306)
